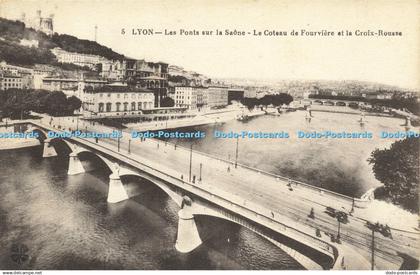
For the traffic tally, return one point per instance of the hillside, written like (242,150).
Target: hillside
(12,32)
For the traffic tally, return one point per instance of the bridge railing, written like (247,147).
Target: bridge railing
(346,201)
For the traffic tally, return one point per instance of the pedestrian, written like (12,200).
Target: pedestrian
(228,169)
(312,214)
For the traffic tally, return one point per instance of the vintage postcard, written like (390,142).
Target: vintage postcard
(209,135)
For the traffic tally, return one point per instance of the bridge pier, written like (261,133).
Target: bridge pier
(49,150)
(116,190)
(188,238)
(75,165)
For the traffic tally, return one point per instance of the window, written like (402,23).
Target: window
(125,106)
(139,105)
(109,95)
(118,106)
(133,106)
(101,107)
(108,107)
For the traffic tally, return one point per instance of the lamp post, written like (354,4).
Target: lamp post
(201,168)
(341,217)
(190,162)
(373,249)
(384,230)
(119,144)
(129,146)
(236,157)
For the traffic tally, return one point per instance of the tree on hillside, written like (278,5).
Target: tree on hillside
(167,102)
(275,100)
(17,103)
(398,169)
(73,103)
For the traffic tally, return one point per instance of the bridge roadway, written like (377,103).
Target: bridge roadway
(259,190)
(270,196)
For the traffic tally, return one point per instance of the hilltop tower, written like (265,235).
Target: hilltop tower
(39,23)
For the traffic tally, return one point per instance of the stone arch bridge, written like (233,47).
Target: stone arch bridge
(309,251)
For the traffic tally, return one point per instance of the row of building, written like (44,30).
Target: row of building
(18,77)
(139,73)
(205,98)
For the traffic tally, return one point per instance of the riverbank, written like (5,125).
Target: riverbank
(213,117)
(345,110)
(18,143)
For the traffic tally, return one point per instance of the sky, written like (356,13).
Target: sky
(389,60)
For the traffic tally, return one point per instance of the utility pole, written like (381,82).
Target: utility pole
(384,230)
(373,249)
(201,168)
(129,145)
(190,161)
(338,233)
(236,158)
(118,144)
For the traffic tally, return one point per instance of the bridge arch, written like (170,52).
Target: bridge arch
(80,152)
(176,197)
(309,257)
(43,135)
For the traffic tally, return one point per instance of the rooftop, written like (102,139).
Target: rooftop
(73,80)
(117,89)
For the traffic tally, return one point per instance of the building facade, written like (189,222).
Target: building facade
(11,72)
(198,98)
(10,82)
(186,97)
(216,97)
(139,73)
(60,84)
(81,59)
(116,100)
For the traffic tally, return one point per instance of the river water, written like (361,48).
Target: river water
(339,165)
(66,223)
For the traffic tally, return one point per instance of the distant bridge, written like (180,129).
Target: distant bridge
(333,102)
